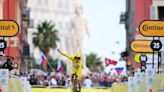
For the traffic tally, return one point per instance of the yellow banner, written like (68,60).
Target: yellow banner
(67,90)
(141,46)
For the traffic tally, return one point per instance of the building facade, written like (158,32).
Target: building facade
(59,12)
(13,10)
(136,12)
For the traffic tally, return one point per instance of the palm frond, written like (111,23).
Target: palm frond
(46,37)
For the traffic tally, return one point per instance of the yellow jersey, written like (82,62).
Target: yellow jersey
(75,64)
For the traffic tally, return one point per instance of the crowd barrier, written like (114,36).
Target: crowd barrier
(67,90)
(119,88)
(15,85)
(12,83)
(158,83)
(20,84)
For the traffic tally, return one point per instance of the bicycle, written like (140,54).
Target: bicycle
(75,84)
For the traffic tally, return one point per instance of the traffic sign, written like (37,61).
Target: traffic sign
(156,45)
(152,28)
(8,28)
(141,46)
(149,58)
(3,45)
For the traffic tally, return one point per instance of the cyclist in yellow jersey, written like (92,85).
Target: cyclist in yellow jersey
(77,65)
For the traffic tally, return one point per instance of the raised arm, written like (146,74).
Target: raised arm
(64,54)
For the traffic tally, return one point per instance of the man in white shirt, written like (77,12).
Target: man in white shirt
(87,83)
(67,81)
(53,81)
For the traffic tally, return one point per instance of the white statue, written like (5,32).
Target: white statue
(79,29)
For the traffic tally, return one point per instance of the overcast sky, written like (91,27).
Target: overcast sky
(107,34)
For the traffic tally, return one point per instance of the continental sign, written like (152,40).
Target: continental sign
(8,28)
(141,46)
(152,28)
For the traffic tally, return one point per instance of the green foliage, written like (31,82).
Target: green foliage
(50,61)
(93,61)
(46,37)
(36,66)
(33,64)
(53,63)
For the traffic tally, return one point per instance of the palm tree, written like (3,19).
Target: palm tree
(46,37)
(93,62)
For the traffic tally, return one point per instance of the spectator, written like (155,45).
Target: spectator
(110,82)
(60,81)
(53,81)
(105,82)
(47,81)
(87,83)
(33,80)
(40,80)
(67,81)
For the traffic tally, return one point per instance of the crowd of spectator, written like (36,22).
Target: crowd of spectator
(61,80)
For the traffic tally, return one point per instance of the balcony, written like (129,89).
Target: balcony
(28,24)
(123,18)
(24,3)
(26,14)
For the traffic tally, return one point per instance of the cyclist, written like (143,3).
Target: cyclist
(77,66)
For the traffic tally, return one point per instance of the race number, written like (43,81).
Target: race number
(143,58)
(156,45)
(2,45)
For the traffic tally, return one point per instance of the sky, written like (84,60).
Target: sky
(107,35)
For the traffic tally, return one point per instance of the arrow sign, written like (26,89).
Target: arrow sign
(8,28)
(141,46)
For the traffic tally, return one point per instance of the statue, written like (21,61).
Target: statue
(79,28)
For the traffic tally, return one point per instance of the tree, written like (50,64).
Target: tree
(93,62)
(46,37)
(54,64)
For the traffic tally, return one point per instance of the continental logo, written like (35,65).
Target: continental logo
(8,28)
(152,28)
(141,46)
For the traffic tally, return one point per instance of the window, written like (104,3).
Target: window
(65,4)
(161,13)
(59,2)
(60,26)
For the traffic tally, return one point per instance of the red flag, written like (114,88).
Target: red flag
(43,61)
(109,62)
(60,67)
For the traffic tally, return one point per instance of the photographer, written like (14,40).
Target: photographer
(7,62)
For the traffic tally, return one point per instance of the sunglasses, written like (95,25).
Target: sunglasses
(77,57)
